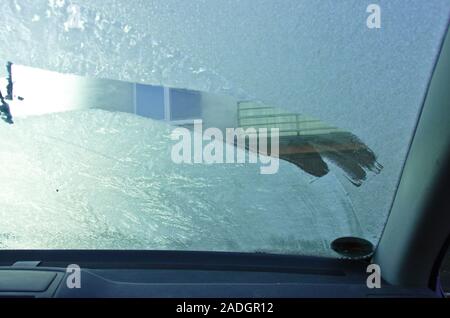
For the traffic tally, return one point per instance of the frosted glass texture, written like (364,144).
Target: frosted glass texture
(77,174)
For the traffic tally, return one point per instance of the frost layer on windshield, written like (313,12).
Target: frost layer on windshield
(98,179)
(314,57)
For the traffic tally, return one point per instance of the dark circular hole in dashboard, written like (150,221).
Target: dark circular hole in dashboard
(352,247)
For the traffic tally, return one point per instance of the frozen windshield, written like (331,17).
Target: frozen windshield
(208,125)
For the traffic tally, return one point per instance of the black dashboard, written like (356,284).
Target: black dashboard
(160,274)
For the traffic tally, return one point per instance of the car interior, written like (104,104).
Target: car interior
(92,190)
